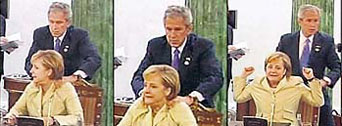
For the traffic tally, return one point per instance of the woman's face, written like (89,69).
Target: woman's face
(275,70)
(39,72)
(155,92)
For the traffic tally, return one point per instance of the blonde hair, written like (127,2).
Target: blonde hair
(284,58)
(50,59)
(169,76)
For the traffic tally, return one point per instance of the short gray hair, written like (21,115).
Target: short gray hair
(179,11)
(59,6)
(307,7)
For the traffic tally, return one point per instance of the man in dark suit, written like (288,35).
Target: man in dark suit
(193,56)
(81,58)
(230,42)
(2,33)
(311,48)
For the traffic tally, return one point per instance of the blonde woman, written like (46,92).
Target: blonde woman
(277,95)
(48,96)
(157,106)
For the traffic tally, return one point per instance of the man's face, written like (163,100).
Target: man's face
(58,23)
(176,30)
(310,23)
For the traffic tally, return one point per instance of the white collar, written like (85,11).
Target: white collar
(60,37)
(180,48)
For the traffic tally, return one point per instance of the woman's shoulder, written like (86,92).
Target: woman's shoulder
(179,107)
(31,87)
(297,80)
(66,87)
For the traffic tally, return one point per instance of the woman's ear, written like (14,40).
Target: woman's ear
(168,91)
(284,72)
(50,72)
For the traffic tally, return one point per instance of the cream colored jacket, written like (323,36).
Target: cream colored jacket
(281,102)
(140,115)
(64,103)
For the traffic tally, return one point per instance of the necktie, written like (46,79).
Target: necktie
(58,44)
(175,62)
(304,59)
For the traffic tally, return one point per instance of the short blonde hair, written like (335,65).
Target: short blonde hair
(283,57)
(51,59)
(169,76)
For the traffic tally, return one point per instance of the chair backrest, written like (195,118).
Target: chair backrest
(309,114)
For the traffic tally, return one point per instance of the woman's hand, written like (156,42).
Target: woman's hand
(247,71)
(10,119)
(308,73)
(48,121)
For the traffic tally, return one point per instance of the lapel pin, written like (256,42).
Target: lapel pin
(186,63)
(317,48)
(188,59)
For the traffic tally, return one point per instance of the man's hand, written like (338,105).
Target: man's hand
(247,71)
(187,99)
(3,41)
(10,119)
(324,83)
(71,78)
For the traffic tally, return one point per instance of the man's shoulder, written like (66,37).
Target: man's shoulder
(324,36)
(158,41)
(77,31)
(42,29)
(200,42)
(290,35)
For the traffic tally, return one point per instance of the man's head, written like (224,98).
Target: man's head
(177,24)
(59,15)
(309,19)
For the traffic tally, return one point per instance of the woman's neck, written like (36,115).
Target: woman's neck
(46,85)
(273,84)
(156,107)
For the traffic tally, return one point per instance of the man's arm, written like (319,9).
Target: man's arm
(211,73)
(34,48)
(334,64)
(137,82)
(91,59)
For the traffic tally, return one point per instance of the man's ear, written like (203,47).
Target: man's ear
(189,28)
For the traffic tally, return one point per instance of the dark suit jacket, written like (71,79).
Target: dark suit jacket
(2,33)
(77,50)
(230,42)
(202,74)
(323,54)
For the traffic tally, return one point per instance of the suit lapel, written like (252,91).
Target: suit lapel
(316,46)
(186,56)
(295,53)
(166,56)
(66,42)
(48,39)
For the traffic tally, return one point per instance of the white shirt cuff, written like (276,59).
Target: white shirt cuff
(198,95)
(81,73)
(327,79)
